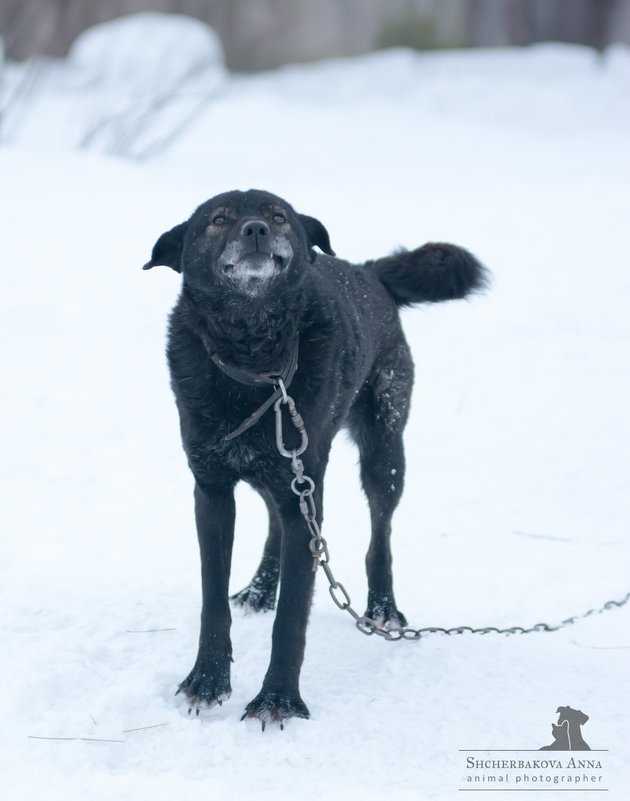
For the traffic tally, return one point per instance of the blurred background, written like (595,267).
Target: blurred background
(262,34)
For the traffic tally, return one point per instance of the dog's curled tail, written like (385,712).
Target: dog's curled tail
(430,274)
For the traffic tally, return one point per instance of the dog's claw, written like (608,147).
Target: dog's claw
(178,691)
(203,689)
(275,707)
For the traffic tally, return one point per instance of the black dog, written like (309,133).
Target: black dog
(256,301)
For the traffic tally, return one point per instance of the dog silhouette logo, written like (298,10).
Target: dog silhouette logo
(567,731)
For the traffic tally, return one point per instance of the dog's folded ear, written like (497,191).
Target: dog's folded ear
(167,251)
(317,235)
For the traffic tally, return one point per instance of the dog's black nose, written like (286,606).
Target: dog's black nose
(255,232)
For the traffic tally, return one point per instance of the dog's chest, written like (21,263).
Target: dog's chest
(251,457)
(240,455)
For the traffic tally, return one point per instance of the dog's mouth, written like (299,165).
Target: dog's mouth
(260,265)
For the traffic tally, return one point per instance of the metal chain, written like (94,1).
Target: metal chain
(321,558)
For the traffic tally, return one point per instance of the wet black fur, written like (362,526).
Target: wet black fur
(355,370)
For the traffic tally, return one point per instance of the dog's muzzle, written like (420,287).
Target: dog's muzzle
(255,252)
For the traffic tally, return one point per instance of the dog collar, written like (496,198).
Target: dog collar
(250,378)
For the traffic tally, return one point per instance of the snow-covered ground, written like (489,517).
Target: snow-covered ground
(516,504)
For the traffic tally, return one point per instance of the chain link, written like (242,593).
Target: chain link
(321,558)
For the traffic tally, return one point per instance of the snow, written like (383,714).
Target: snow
(516,501)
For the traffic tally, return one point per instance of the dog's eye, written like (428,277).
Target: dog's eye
(279,218)
(218,220)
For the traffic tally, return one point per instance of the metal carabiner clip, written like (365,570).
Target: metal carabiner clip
(295,419)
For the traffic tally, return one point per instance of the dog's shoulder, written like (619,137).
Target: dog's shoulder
(186,356)
(182,342)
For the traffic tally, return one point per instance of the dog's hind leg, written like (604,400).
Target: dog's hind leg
(382,475)
(260,593)
(377,421)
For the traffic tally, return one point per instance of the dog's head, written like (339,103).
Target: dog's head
(241,242)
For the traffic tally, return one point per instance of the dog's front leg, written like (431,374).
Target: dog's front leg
(279,697)
(209,680)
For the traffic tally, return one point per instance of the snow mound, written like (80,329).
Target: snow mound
(127,88)
(148,50)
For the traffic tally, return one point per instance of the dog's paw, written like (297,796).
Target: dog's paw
(271,706)
(205,688)
(255,598)
(260,593)
(384,612)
